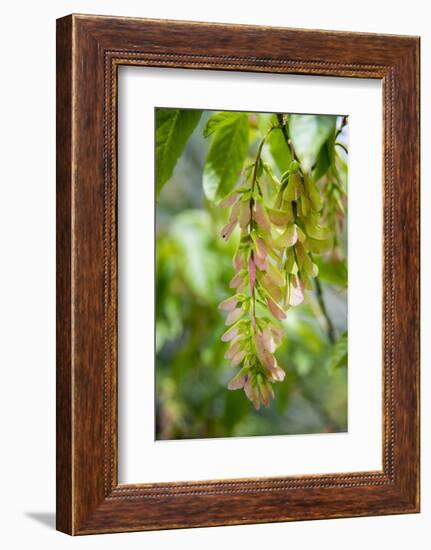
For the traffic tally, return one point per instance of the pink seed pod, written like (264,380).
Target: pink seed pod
(237,382)
(227,230)
(252,393)
(237,358)
(280,218)
(275,277)
(276,333)
(270,363)
(266,392)
(237,281)
(290,236)
(267,359)
(234,214)
(261,217)
(296,292)
(233,316)
(230,334)
(229,304)
(235,347)
(273,290)
(275,309)
(264,343)
(262,264)
(238,260)
(278,374)
(228,201)
(261,248)
(268,340)
(244,215)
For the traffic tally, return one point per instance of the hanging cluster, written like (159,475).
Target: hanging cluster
(334,192)
(273,266)
(258,283)
(334,211)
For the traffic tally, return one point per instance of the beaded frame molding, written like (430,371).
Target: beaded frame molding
(89,51)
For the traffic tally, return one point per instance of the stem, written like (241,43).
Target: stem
(342,147)
(253,182)
(286,136)
(340,129)
(330,326)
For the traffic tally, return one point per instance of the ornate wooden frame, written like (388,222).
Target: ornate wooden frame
(89,51)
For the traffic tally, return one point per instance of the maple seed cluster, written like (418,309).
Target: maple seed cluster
(273,267)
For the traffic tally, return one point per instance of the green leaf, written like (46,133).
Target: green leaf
(338,357)
(225,159)
(217,121)
(279,150)
(323,161)
(276,142)
(173,129)
(192,231)
(308,134)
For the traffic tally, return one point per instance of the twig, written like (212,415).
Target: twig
(330,326)
(286,136)
(340,129)
(342,147)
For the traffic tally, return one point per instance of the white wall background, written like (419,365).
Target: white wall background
(27,279)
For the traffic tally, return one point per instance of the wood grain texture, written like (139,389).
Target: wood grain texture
(90,49)
(64,497)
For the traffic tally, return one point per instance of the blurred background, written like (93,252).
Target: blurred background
(193,270)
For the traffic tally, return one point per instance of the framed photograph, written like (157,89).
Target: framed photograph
(237,274)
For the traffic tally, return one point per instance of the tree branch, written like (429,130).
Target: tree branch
(330,326)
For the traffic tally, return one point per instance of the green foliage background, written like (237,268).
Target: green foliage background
(193,270)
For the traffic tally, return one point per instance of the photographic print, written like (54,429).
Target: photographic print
(251,273)
(231,263)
